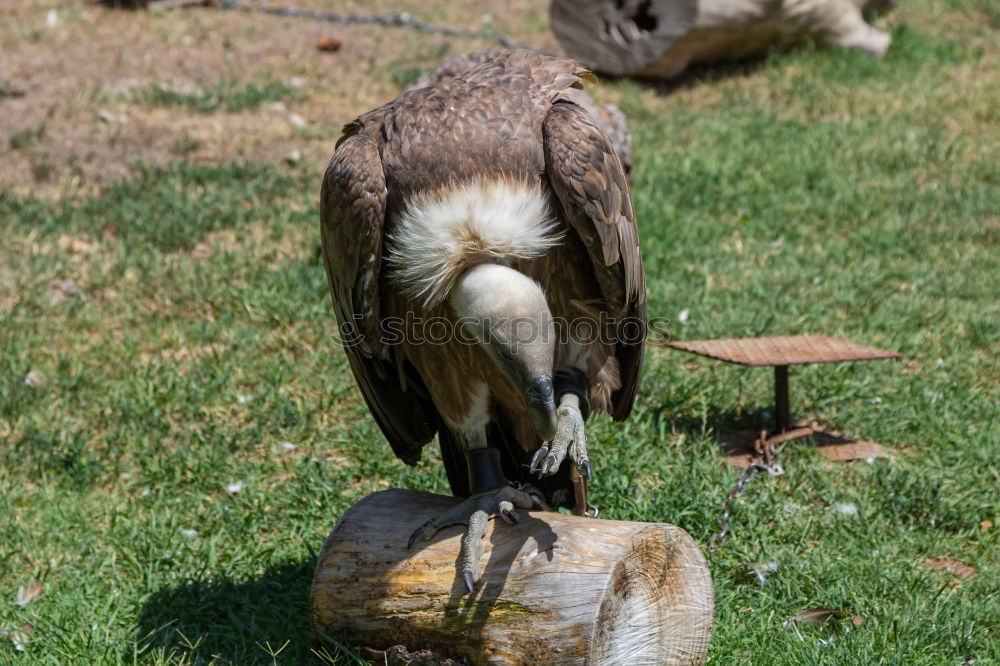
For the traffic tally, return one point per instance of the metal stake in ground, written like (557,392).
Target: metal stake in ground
(779,352)
(781,412)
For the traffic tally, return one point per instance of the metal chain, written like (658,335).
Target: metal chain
(763,461)
(402,20)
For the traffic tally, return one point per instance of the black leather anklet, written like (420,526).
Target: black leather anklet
(575,382)
(487,475)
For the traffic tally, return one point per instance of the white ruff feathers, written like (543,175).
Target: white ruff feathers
(443,233)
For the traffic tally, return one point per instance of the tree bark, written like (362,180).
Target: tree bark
(556,589)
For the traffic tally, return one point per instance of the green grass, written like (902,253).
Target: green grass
(802,198)
(25,138)
(226,95)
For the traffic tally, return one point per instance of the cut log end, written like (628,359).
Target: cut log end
(555,588)
(651,612)
(620,37)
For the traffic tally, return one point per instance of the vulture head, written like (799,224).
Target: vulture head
(506,313)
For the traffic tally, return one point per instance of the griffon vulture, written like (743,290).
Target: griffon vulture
(483,257)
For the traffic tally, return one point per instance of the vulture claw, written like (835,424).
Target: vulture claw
(510,516)
(475,513)
(570,438)
(536,460)
(417,533)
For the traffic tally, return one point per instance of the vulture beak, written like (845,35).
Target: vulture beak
(541,403)
(534,385)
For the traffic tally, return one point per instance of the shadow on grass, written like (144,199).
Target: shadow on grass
(233,621)
(735,431)
(696,75)
(700,74)
(715,423)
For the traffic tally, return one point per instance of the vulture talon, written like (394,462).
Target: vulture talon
(475,513)
(419,532)
(536,460)
(570,438)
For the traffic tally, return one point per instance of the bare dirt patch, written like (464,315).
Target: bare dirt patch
(74,75)
(74,83)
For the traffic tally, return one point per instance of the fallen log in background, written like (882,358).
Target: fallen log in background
(658,39)
(555,588)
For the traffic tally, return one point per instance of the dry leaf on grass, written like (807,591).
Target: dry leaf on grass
(74,244)
(63,290)
(816,616)
(821,615)
(28,593)
(112,118)
(845,508)
(20,636)
(950,565)
(34,379)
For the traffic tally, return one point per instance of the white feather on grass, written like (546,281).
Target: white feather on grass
(441,234)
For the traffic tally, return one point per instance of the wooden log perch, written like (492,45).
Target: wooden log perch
(556,589)
(660,38)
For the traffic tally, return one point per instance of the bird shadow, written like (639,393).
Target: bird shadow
(469,614)
(232,621)
(460,633)
(733,430)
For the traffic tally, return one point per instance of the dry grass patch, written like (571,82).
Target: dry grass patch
(96,127)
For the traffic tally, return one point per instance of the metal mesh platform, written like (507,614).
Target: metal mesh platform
(781,352)
(784,350)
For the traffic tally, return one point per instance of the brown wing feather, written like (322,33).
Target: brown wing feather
(352,215)
(588,180)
